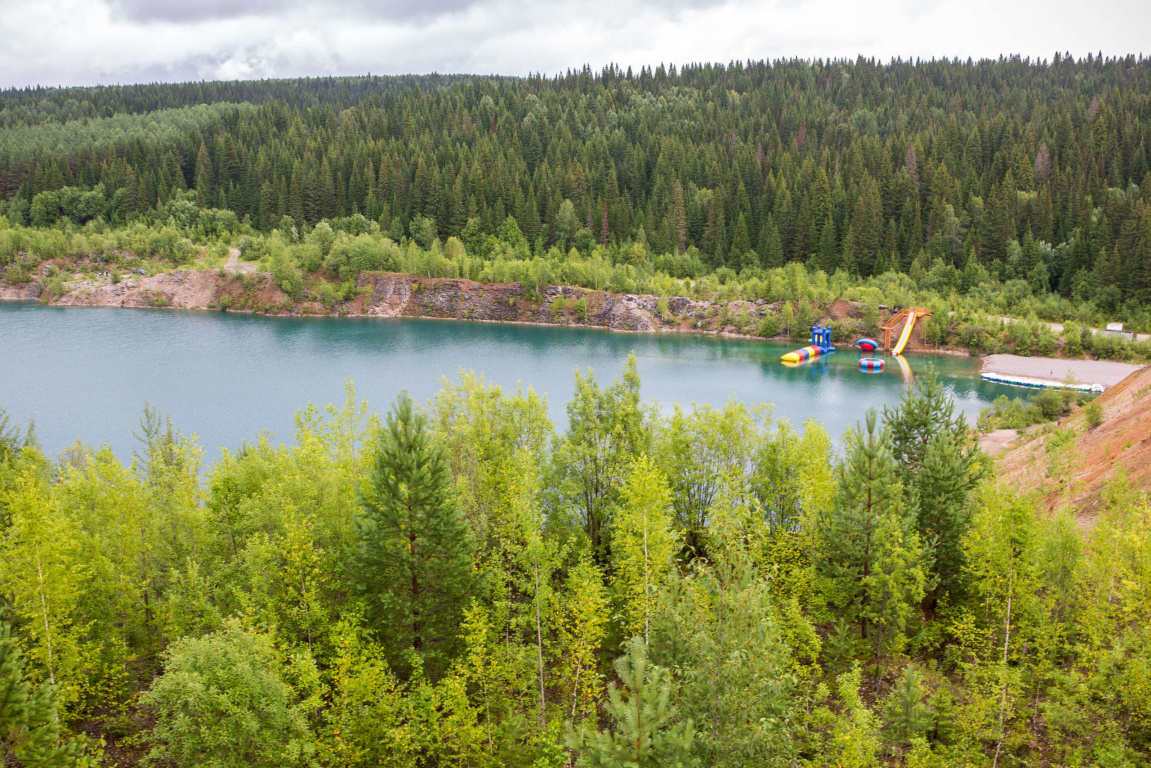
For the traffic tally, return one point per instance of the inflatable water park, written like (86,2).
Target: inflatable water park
(821,343)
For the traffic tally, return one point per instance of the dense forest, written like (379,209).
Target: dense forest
(462,585)
(465,583)
(1010,170)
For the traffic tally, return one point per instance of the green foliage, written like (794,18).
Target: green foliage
(1016,413)
(719,635)
(223,701)
(414,555)
(256,614)
(374,720)
(868,547)
(647,731)
(581,309)
(606,432)
(30,730)
(939,464)
(1093,413)
(768,326)
(643,544)
(1022,221)
(907,716)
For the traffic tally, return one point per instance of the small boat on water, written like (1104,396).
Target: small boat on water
(868,345)
(870,364)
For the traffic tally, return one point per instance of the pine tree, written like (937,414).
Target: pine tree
(770,248)
(939,465)
(30,730)
(867,546)
(414,563)
(715,232)
(647,731)
(203,179)
(827,246)
(907,715)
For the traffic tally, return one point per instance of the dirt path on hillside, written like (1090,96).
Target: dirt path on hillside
(234,266)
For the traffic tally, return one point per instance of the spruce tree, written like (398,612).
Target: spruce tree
(30,730)
(414,561)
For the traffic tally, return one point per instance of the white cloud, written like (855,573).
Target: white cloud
(83,42)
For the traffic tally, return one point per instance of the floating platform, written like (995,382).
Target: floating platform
(868,345)
(820,345)
(870,364)
(1033,383)
(806,353)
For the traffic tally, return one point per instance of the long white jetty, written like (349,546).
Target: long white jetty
(1033,383)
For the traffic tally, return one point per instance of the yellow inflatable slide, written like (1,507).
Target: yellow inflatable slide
(903,338)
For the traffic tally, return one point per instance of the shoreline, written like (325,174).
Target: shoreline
(395,295)
(391,295)
(782,340)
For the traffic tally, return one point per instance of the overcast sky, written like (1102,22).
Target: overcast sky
(86,42)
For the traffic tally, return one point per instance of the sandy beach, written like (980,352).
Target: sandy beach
(1085,371)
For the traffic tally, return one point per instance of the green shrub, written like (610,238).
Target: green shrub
(1093,412)
(768,326)
(223,701)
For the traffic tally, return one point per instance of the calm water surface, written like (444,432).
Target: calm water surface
(86,373)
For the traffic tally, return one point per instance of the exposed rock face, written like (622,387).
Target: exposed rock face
(395,295)
(182,288)
(20,292)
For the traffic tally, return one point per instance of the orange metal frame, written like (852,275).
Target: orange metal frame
(899,318)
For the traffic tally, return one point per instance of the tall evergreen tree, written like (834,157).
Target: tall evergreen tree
(415,550)
(939,464)
(867,546)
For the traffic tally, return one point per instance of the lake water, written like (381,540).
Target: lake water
(87,372)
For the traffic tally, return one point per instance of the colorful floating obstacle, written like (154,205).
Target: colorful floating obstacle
(870,364)
(868,345)
(820,345)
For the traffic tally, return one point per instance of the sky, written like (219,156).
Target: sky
(90,42)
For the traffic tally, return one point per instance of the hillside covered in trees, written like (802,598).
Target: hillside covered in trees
(461,584)
(1030,171)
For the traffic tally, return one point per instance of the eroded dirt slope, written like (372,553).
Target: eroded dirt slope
(1119,445)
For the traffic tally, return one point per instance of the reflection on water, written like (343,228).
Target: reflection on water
(87,373)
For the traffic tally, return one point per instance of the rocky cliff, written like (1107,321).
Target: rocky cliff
(395,295)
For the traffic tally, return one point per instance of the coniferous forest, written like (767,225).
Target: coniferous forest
(463,582)
(1010,169)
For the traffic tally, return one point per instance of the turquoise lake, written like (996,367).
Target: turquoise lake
(87,373)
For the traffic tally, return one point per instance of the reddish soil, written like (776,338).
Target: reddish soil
(1119,446)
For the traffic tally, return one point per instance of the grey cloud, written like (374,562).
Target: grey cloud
(182,11)
(144,11)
